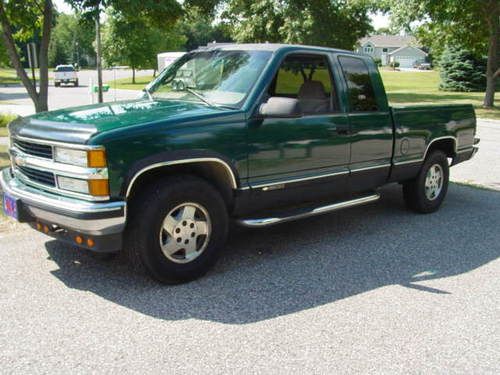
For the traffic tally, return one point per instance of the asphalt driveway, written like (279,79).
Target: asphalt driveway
(372,289)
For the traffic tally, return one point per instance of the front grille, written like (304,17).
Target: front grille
(35,149)
(42,177)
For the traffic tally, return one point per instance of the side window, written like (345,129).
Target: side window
(359,85)
(307,78)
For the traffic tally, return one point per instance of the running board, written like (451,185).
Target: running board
(301,214)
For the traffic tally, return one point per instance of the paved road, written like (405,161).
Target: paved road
(484,169)
(375,289)
(15,99)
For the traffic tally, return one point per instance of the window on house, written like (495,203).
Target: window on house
(384,49)
(368,49)
(359,84)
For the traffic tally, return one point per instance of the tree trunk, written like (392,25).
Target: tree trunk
(492,66)
(154,72)
(39,99)
(133,74)
(98,54)
(43,58)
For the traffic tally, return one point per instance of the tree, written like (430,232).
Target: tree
(199,29)
(4,56)
(136,42)
(333,23)
(72,40)
(473,24)
(159,13)
(21,21)
(461,70)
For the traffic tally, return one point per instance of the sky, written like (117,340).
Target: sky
(378,19)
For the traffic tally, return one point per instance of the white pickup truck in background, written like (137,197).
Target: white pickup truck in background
(65,74)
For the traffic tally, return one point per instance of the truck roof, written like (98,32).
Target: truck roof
(267,47)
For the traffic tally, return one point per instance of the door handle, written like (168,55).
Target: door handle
(342,130)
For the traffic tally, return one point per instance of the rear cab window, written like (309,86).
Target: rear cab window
(360,90)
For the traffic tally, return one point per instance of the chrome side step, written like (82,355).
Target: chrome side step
(266,221)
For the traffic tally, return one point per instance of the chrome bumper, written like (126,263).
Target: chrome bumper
(93,218)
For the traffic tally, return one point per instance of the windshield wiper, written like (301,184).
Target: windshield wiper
(148,92)
(201,97)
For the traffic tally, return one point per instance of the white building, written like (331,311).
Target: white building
(392,48)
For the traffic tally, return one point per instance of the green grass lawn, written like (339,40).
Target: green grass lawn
(126,83)
(4,156)
(409,88)
(8,76)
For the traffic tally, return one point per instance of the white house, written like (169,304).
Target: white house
(392,48)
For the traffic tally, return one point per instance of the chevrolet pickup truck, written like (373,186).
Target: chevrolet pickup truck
(65,74)
(259,135)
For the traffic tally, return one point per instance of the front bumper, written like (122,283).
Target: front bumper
(67,217)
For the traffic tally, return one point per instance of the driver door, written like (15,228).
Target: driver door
(285,151)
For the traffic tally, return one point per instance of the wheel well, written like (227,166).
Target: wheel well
(213,172)
(447,145)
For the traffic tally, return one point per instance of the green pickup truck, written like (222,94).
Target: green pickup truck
(259,134)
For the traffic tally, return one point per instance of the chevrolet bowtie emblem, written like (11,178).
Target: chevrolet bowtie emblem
(19,161)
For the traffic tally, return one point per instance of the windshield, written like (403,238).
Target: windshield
(219,78)
(65,69)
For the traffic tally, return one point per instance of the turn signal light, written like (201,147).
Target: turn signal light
(96,158)
(90,242)
(98,188)
(79,240)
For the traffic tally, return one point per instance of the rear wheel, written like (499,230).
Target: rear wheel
(76,83)
(427,191)
(177,229)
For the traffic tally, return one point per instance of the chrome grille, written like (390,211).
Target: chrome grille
(35,175)
(35,149)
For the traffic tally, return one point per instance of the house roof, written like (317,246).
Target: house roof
(396,51)
(388,40)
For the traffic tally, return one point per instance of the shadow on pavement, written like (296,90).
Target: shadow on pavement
(284,269)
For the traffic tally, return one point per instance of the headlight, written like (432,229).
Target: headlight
(96,187)
(81,158)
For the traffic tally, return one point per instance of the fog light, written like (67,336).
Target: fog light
(73,184)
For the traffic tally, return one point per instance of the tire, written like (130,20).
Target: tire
(76,83)
(57,84)
(435,174)
(165,204)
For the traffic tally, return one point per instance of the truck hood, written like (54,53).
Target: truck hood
(79,124)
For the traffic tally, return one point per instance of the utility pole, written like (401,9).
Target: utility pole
(98,54)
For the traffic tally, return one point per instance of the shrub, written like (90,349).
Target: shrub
(5,118)
(394,64)
(378,62)
(461,70)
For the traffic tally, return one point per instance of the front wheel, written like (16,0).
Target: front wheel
(427,191)
(177,229)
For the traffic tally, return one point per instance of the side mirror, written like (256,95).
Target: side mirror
(280,107)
